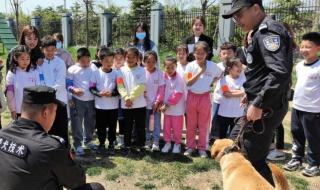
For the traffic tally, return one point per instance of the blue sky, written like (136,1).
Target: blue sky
(29,5)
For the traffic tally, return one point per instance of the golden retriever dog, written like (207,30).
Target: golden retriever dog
(239,174)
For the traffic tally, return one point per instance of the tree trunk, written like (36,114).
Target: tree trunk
(87,24)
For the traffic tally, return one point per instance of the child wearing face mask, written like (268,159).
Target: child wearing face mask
(142,40)
(62,53)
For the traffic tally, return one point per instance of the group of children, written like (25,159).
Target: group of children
(121,86)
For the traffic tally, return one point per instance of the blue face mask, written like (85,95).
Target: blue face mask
(59,45)
(141,35)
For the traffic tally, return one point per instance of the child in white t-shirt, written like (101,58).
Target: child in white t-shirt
(305,115)
(131,83)
(200,74)
(182,57)
(230,89)
(118,62)
(82,101)
(227,51)
(173,106)
(103,86)
(154,96)
(20,75)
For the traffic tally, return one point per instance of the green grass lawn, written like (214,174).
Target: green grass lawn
(166,171)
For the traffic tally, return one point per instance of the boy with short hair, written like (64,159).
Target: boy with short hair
(82,101)
(103,87)
(227,51)
(52,73)
(305,116)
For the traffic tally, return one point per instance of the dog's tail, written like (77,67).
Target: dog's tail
(281,182)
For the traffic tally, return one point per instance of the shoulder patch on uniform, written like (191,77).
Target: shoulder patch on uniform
(272,42)
(13,148)
(263,26)
(60,139)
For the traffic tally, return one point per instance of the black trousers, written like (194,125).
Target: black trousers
(91,186)
(226,124)
(305,126)
(135,116)
(279,137)
(60,124)
(106,119)
(256,146)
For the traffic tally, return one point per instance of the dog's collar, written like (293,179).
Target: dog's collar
(230,149)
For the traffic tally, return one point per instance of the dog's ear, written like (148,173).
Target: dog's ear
(215,149)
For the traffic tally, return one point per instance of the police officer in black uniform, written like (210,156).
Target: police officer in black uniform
(269,58)
(31,159)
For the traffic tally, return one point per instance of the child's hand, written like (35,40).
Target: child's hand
(1,62)
(40,61)
(128,103)
(78,92)
(244,101)
(105,93)
(71,104)
(228,94)
(155,106)
(13,115)
(164,108)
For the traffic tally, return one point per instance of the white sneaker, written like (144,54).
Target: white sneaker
(276,155)
(155,147)
(79,151)
(120,140)
(188,152)
(166,148)
(202,154)
(147,145)
(176,148)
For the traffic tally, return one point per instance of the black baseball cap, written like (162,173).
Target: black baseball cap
(239,4)
(40,95)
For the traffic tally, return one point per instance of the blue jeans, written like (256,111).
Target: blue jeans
(157,126)
(82,112)
(214,124)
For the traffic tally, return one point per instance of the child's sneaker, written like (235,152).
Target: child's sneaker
(79,151)
(176,148)
(92,146)
(147,145)
(188,152)
(155,147)
(120,141)
(311,171)
(292,165)
(202,153)
(276,155)
(111,150)
(166,147)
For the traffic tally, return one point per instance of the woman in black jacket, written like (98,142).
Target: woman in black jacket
(29,37)
(198,26)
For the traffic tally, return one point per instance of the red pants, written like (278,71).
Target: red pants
(198,117)
(174,123)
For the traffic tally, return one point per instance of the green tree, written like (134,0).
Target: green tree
(141,8)
(50,20)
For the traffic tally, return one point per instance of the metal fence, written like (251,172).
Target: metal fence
(123,28)
(177,26)
(303,16)
(79,31)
